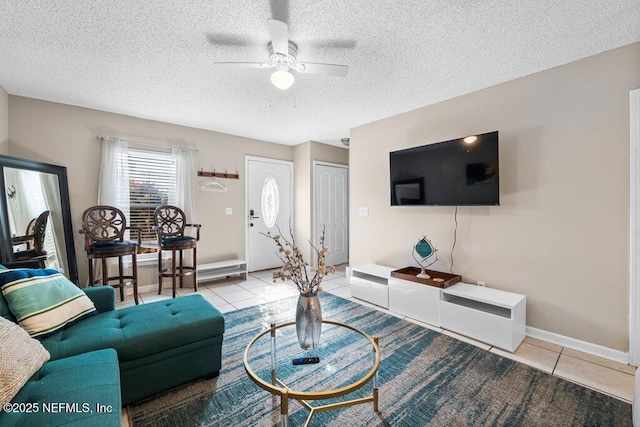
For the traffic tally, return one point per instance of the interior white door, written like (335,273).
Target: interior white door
(331,210)
(269,205)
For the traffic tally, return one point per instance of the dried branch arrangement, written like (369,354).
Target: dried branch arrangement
(296,269)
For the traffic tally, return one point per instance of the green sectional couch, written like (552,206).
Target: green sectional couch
(82,390)
(158,345)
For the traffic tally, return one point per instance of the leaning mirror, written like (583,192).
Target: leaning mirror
(35,215)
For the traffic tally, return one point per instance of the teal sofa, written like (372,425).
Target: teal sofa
(82,390)
(158,345)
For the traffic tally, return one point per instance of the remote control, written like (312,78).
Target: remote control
(305,360)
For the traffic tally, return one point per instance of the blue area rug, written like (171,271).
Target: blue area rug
(426,379)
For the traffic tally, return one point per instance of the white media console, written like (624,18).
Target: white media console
(489,315)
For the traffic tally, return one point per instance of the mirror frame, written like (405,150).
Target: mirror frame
(6,249)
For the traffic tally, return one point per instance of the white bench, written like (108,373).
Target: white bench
(222,269)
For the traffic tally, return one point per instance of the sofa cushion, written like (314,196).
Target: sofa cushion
(72,388)
(4,310)
(103,297)
(43,300)
(20,357)
(139,331)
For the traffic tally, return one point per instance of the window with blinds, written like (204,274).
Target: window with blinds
(152,182)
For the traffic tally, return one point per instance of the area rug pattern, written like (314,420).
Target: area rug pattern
(426,378)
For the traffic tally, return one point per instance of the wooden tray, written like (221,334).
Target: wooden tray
(410,273)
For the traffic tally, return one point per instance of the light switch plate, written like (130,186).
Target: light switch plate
(228,211)
(364,211)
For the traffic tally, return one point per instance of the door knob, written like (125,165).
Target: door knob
(251,215)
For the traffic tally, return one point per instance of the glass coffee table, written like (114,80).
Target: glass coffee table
(349,359)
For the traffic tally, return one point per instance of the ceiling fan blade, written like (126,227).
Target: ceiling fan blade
(279,36)
(280,10)
(326,69)
(222,39)
(242,65)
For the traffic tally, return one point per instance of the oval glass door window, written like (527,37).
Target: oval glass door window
(270,201)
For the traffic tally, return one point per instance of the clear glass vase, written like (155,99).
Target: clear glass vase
(308,321)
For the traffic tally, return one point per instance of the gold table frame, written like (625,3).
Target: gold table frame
(277,387)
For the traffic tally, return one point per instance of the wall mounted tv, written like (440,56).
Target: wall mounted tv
(460,172)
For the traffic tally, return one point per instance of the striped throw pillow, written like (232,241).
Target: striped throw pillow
(44,301)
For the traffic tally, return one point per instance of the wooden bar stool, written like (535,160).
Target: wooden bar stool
(34,239)
(104,228)
(170,223)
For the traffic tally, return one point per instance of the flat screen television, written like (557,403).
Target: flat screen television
(460,172)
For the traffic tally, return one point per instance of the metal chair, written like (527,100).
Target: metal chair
(35,237)
(170,223)
(104,228)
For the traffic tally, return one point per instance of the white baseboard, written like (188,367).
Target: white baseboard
(586,347)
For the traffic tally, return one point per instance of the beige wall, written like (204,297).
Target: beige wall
(304,156)
(66,135)
(561,233)
(329,153)
(4,121)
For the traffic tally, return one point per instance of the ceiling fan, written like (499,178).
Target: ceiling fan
(282,57)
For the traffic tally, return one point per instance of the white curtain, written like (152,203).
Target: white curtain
(634,215)
(185,178)
(19,211)
(113,184)
(183,195)
(51,193)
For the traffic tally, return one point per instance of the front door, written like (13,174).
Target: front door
(269,207)
(331,210)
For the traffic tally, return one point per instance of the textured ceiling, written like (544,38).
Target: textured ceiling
(153,58)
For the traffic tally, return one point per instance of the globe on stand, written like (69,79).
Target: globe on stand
(425,251)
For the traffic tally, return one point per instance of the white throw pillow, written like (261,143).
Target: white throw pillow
(20,357)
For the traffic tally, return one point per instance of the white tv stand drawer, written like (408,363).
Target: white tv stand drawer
(415,300)
(370,283)
(489,315)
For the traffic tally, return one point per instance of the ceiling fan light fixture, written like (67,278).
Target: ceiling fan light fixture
(282,79)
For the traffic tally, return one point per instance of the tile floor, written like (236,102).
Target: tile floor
(606,376)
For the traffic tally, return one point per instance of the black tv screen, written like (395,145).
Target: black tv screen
(460,172)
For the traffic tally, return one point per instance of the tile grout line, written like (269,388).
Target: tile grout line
(596,362)
(553,371)
(590,387)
